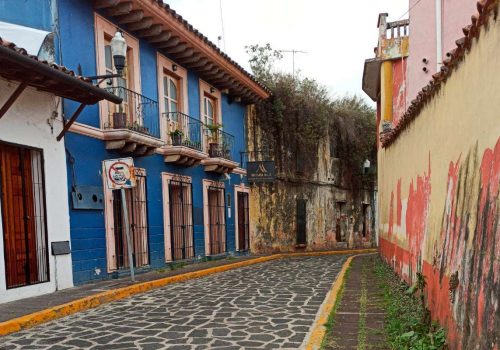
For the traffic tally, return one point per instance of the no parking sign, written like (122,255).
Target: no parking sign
(119,173)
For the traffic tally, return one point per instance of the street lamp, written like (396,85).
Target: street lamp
(119,53)
(366,166)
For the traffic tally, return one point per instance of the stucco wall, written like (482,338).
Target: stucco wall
(273,206)
(439,199)
(26,124)
(88,226)
(455,15)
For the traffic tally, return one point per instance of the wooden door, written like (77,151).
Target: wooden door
(23,216)
(243,221)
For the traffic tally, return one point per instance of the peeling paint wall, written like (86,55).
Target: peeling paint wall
(334,215)
(439,204)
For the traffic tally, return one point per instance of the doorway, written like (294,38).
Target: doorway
(301,222)
(243,221)
(22,193)
(217,220)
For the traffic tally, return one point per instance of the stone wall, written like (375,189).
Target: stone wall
(334,213)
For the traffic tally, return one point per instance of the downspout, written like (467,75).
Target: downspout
(439,35)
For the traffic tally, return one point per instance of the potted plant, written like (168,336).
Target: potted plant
(176,137)
(213,139)
(119,120)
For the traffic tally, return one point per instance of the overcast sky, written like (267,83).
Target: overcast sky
(337,35)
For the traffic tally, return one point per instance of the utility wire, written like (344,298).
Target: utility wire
(222,26)
(411,8)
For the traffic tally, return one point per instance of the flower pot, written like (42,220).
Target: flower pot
(176,140)
(119,120)
(213,150)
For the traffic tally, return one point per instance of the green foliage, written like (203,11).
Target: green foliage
(300,114)
(408,325)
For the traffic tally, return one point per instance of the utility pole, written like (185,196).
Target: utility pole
(293,52)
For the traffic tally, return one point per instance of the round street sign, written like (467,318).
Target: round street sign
(119,173)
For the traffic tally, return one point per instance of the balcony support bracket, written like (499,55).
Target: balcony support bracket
(19,90)
(68,124)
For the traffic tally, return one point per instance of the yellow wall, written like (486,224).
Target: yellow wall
(439,157)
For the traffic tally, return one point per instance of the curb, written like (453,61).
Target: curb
(95,300)
(318,332)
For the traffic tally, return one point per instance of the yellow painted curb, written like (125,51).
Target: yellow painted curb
(318,329)
(95,300)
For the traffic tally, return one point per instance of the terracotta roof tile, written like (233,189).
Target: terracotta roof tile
(195,31)
(55,66)
(486,8)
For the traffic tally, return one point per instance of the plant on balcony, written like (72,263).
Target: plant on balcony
(213,139)
(176,137)
(135,126)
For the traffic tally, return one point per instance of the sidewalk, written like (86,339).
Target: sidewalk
(359,318)
(27,306)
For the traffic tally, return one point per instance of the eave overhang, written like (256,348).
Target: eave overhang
(158,24)
(17,65)
(371,78)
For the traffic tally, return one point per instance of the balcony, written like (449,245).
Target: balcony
(219,145)
(184,144)
(132,126)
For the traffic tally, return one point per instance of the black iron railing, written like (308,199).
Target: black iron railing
(219,143)
(136,112)
(183,130)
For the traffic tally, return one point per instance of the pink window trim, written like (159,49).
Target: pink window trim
(206,217)
(109,221)
(237,189)
(166,177)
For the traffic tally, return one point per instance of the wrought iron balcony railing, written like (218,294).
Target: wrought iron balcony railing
(183,130)
(219,143)
(136,112)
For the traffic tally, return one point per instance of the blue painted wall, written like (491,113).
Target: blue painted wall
(87,226)
(39,14)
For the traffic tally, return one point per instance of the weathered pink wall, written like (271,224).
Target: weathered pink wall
(455,15)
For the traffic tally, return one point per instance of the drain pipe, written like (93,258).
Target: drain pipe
(439,34)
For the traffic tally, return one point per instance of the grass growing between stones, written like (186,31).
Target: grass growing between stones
(408,324)
(331,318)
(363,300)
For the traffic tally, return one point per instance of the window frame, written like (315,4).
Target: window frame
(105,28)
(111,262)
(166,178)
(165,68)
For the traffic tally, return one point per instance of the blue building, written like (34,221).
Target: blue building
(182,120)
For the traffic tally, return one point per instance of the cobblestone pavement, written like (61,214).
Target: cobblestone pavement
(265,306)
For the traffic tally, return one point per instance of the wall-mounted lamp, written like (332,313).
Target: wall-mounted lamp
(212,90)
(119,53)
(174,67)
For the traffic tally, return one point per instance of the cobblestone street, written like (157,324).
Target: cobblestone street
(265,306)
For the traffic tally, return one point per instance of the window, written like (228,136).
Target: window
(217,217)
(127,87)
(23,215)
(178,217)
(209,117)
(137,216)
(172,89)
(170,94)
(214,217)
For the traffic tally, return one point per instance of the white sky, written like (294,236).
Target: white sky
(337,34)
